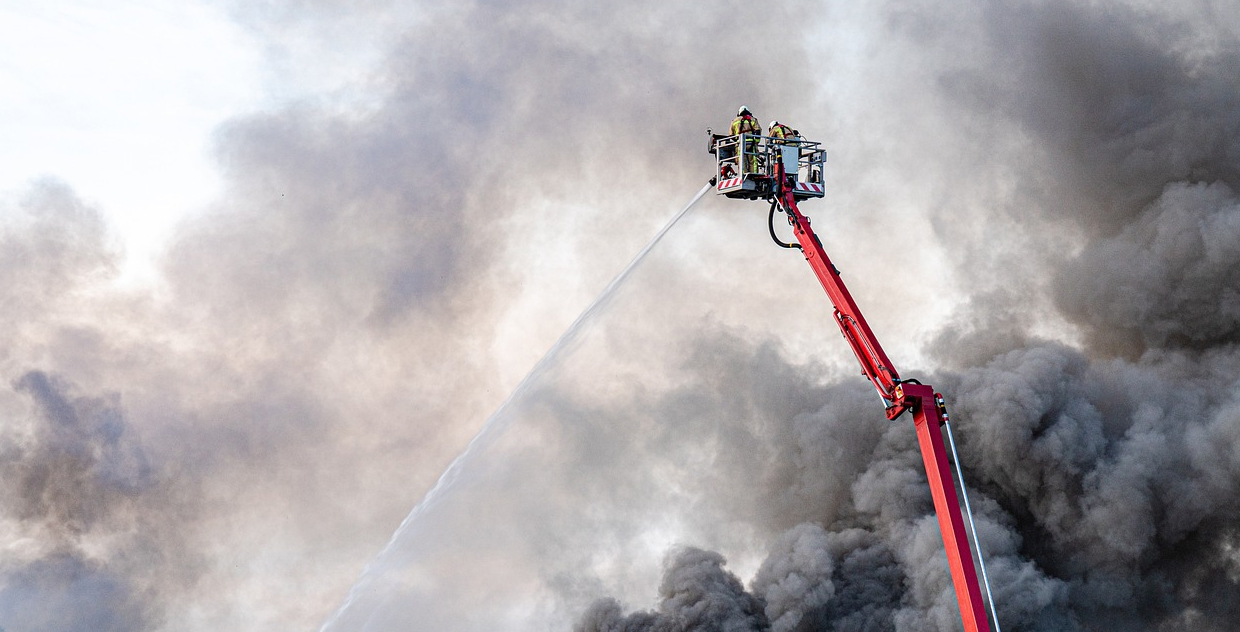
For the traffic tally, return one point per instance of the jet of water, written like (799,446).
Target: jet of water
(500,419)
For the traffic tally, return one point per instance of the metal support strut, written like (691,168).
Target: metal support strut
(968,511)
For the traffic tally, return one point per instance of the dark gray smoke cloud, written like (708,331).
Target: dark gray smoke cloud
(696,593)
(1103,477)
(1169,278)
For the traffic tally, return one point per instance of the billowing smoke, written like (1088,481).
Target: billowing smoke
(1104,477)
(327,335)
(697,593)
(99,521)
(1168,279)
(1038,198)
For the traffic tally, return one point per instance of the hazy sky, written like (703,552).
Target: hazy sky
(122,101)
(267,267)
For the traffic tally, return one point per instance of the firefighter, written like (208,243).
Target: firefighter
(781,137)
(745,123)
(780,133)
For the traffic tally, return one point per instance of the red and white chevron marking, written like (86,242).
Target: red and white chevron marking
(809,187)
(729,183)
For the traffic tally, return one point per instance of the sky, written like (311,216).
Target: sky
(90,103)
(270,267)
(122,100)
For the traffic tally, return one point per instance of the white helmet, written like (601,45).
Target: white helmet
(772,125)
(743,111)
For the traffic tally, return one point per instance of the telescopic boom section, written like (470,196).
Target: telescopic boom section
(927,406)
(874,362)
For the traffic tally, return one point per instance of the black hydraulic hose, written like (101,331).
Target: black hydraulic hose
(770,224)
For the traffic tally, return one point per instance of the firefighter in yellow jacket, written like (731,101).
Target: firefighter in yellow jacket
(745,123)
(780,133)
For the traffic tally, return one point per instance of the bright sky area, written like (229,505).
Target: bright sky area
(120,101)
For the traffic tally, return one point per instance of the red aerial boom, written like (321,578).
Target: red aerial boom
(782,171)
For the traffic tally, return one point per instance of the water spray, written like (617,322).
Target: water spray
(500,420)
